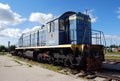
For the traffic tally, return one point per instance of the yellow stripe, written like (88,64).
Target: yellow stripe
(73,18)
(58,46)
(89,20)
(72,46)
(79,17)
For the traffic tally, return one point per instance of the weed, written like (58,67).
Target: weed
(18,62)
(29,65)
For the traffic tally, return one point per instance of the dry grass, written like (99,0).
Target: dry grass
(113,57)
(3,53)
(30,63)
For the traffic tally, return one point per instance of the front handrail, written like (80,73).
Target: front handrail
(99,37)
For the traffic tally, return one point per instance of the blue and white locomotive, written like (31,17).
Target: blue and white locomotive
(66,40)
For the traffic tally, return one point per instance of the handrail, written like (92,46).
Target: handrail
(101,36)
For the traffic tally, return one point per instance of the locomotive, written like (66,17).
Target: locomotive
(66,40)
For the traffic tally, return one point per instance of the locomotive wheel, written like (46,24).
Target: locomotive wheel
(39,58)
(51,60)
(68,61)
(19,54)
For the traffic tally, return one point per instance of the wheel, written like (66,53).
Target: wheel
(68,61)
(39,58)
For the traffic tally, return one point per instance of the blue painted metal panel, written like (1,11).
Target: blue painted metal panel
(83,29)
(72,27)
(77,32)
(69,28)
(34,36)
(26,40)
(42,36)
(52,36)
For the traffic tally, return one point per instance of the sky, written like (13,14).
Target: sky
(21,16)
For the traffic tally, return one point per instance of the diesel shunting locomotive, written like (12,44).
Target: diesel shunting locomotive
(66,40)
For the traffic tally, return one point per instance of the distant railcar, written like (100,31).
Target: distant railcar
(66,40)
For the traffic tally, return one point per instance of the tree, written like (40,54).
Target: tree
(3,48)
(113,46)
(12,48)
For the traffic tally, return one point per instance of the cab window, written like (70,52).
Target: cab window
(62,25)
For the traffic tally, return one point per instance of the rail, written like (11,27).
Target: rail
(108,77)
(98,37)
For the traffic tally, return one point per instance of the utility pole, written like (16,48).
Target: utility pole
(86,12)
(8,46)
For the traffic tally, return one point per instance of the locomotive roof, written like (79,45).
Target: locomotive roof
(65,15)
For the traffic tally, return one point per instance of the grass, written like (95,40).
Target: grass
(30,63)
(18,62)
(51,67)
(3,53)
(114,52)
(113,57)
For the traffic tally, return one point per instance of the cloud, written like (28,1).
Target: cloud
(118,11)
(118,16)
(16,32)
(10,32)
(90,13)
(2,27)
(4,6)
(109,39)
(8,17)
(4,41)
(30,30)
(42,18)
(112,37)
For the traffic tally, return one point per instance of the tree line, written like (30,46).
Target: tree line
(113,46)
(7,49)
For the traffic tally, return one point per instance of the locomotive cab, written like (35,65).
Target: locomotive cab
(75,28)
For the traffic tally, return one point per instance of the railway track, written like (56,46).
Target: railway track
(103,75)
(112,64)
(110,71)
(112,60)
(108,77)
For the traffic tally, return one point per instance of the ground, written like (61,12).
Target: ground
(13,70)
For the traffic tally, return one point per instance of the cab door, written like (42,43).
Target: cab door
(72,29)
